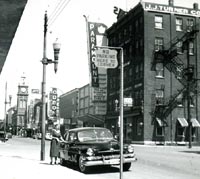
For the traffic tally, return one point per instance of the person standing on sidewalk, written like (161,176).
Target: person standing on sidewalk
(54,145)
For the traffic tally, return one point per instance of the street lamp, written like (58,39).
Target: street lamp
(45,62)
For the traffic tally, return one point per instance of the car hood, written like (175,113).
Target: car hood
(102,145)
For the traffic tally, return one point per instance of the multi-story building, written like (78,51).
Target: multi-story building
(90,113)
(77,108)
(68,103)
(161,72)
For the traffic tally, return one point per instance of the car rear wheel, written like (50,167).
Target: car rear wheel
(126,166)
(81,165)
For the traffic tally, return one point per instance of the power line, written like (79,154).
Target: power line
(58,12)
(56,8)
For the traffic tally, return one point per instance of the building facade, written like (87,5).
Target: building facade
(161,72)
(68,103)
(77,107)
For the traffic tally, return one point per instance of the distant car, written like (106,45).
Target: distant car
(94,146)
(3,136)
(9,135)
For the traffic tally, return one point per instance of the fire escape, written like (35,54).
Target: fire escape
(182,71)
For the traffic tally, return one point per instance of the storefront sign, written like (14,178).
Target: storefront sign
(170,9)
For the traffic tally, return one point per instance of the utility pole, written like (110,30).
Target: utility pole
(45,62)
(5,115)
(42,156)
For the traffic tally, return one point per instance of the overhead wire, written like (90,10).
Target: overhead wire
(57,6)
(58,12)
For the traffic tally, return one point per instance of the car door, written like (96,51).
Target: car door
(64,147)
(72,148)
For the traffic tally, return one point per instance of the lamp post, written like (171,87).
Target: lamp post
(45,62)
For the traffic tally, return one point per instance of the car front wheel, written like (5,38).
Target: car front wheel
(62,162)
(126,166)
(81,165)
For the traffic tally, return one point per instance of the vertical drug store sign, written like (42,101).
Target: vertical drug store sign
(53,103)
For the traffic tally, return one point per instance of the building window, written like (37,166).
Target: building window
(125,33)
(159,43)
(137,72)
(191,48)
(179,47)
(159,96)
(73,101)
(159,131)
(139,128)
(141,45)
(159,70)
(190,24)
(158,22)
(141,70)
(130,50)
(136,45)
(180,100)
(179,24)
(22,103)
(136,26)
(180,130)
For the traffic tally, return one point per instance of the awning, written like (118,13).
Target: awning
(182,122)
(160,123)
(195,123)
(92,119)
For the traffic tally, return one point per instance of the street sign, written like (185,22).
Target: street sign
(106,58)
(128,102)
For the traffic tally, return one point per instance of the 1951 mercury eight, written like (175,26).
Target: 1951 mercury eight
(94,146)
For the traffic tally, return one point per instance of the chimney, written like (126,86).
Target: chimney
(195,6)
(171,2)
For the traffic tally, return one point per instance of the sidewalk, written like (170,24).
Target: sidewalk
(23,163)
(19,168)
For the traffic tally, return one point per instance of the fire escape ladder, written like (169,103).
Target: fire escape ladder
(162,110)
(172,103)
(176,66)
(169,58)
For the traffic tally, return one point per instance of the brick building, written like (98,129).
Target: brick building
(68,107)
(161,72)
(77,106)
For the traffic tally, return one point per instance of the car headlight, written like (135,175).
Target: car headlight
(130,149)
(90,151)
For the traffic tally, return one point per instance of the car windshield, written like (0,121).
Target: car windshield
(94,134)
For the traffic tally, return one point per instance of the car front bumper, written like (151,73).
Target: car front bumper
(109,160)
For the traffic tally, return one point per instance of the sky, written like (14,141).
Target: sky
(26,52)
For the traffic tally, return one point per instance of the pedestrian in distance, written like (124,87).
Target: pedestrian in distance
(54,145)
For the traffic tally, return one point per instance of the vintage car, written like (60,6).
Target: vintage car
(3,136)
(93,146)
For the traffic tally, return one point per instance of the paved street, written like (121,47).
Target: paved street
(20,159)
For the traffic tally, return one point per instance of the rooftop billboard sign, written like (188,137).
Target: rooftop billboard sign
(171,9)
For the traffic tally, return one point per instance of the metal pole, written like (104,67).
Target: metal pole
(188,96)
(121,111)
(121,104)
(5,109)
(42,157)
